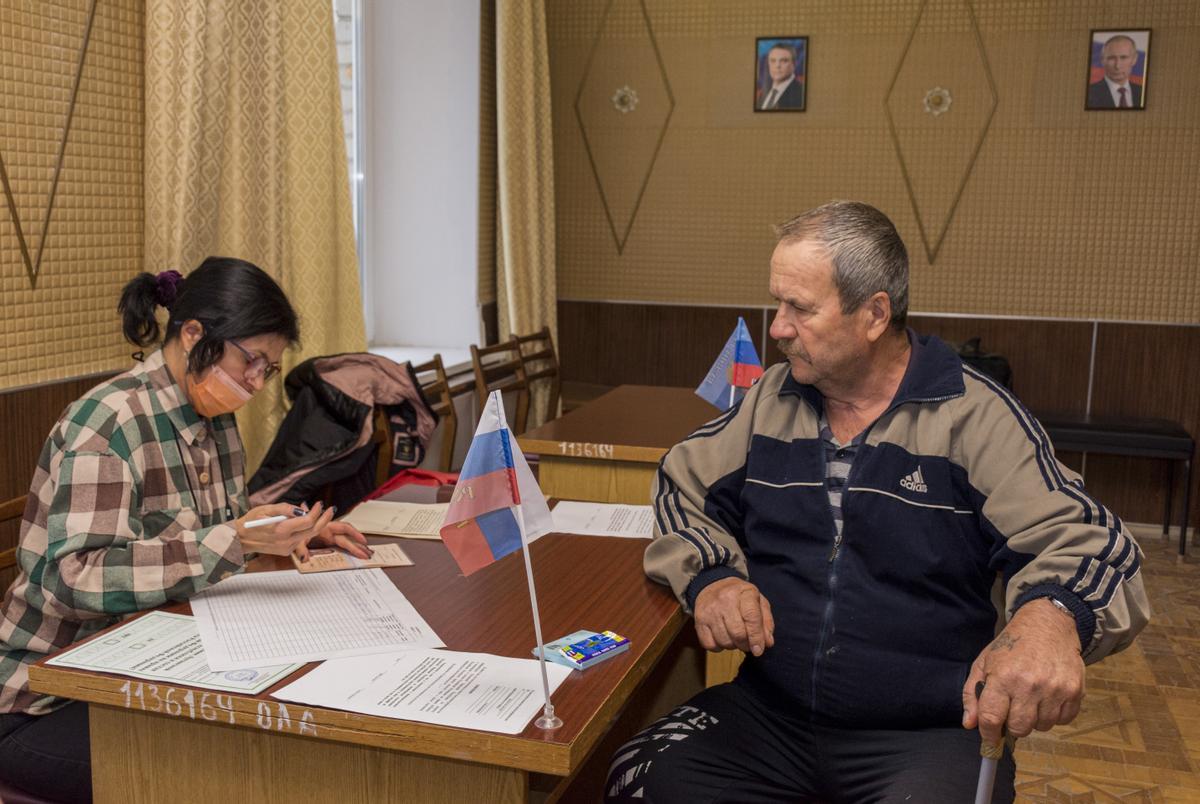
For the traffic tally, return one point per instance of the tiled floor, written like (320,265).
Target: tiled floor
(1138,736)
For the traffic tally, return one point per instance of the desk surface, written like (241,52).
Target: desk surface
(487,612)
(630,423)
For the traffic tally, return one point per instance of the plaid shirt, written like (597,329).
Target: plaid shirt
(125,513)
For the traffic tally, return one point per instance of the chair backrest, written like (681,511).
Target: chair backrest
(10,510)
(500,368)
(436,388)
(537,353)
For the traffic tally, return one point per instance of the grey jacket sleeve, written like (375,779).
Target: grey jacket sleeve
(695,528)
(1053,538)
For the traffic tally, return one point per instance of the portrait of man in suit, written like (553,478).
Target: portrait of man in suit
(780,74)
(1117,70)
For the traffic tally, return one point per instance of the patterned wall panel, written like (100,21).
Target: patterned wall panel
(1064,213)
(65,324)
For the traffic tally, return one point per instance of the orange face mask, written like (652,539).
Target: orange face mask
(217,393)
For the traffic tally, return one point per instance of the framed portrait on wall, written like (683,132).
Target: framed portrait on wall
(1118,66)
(780,73)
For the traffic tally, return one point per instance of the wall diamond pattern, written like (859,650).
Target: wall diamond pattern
(937,152)
(622,148)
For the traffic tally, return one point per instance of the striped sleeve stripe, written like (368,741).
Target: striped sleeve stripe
(660,507)
(1053,478)
(668,502)
(691,539)
(716,425)
(1108,574)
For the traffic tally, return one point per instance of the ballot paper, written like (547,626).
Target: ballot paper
(411,520)
(165,647)
(467,690)
(272,617)
(602,519)
(331,559)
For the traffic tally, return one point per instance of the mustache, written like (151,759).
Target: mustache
(789,348)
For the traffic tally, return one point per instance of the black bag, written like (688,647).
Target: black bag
(995,366)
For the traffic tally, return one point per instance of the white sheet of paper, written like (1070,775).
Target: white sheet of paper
(161,646)
(467,690)
(412,520)
(270,617)
(604,519)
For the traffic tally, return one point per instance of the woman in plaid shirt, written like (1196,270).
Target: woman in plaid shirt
(139,500)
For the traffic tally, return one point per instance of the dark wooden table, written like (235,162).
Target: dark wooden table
(147,747)
(608,449)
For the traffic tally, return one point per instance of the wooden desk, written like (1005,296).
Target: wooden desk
(608,449)
(154,743)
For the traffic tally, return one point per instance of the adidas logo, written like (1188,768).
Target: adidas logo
(914,482)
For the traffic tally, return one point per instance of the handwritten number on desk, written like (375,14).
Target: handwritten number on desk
(179,703)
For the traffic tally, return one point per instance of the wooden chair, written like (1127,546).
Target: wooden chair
(501,368)
(10,510)
(438,393)
(538,348)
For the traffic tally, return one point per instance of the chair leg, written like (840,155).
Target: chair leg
(1170,495)
(1187,507)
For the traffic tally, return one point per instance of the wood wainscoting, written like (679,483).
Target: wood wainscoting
(1065,366)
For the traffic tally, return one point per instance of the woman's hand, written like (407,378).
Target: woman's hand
(338,534)
(285,537)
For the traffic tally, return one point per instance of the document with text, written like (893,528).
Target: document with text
(272,617)
(604,519)
(166,647)
(410,520)
(467,690)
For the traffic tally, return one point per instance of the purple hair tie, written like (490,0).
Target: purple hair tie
(167,287)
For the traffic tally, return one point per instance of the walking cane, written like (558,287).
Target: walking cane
(990,756)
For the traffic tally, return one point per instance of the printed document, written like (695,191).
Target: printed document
(272,617)
(467,690)
(603,519)
(161,646)
(411,520)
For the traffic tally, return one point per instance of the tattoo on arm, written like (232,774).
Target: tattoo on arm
(1004,642)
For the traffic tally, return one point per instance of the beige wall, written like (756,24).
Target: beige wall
(66,325)
(1065,213)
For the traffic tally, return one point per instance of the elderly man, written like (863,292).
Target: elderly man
(1115,91)
(844,525)
(785,91)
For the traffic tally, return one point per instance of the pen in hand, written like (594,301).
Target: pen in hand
(271,520)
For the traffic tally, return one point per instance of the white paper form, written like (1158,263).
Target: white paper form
(161,646)
(412,520)
(467,690)
(270,617)
(603,519)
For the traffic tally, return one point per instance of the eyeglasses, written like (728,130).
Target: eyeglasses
(257,365)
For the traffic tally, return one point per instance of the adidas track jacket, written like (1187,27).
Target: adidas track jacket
(955,483)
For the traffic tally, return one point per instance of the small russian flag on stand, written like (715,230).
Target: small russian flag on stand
(736,369)
(496,497)
(497,509)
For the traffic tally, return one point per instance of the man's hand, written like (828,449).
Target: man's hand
(733,614)
(1033,675)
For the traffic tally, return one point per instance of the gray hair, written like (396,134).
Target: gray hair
(866,250)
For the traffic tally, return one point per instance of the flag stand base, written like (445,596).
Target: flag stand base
(548,721)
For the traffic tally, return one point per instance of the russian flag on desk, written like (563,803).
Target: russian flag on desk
(736,369)
(496,497)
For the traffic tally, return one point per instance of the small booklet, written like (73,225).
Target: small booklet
(583,649)
(328,559)
(410,520)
